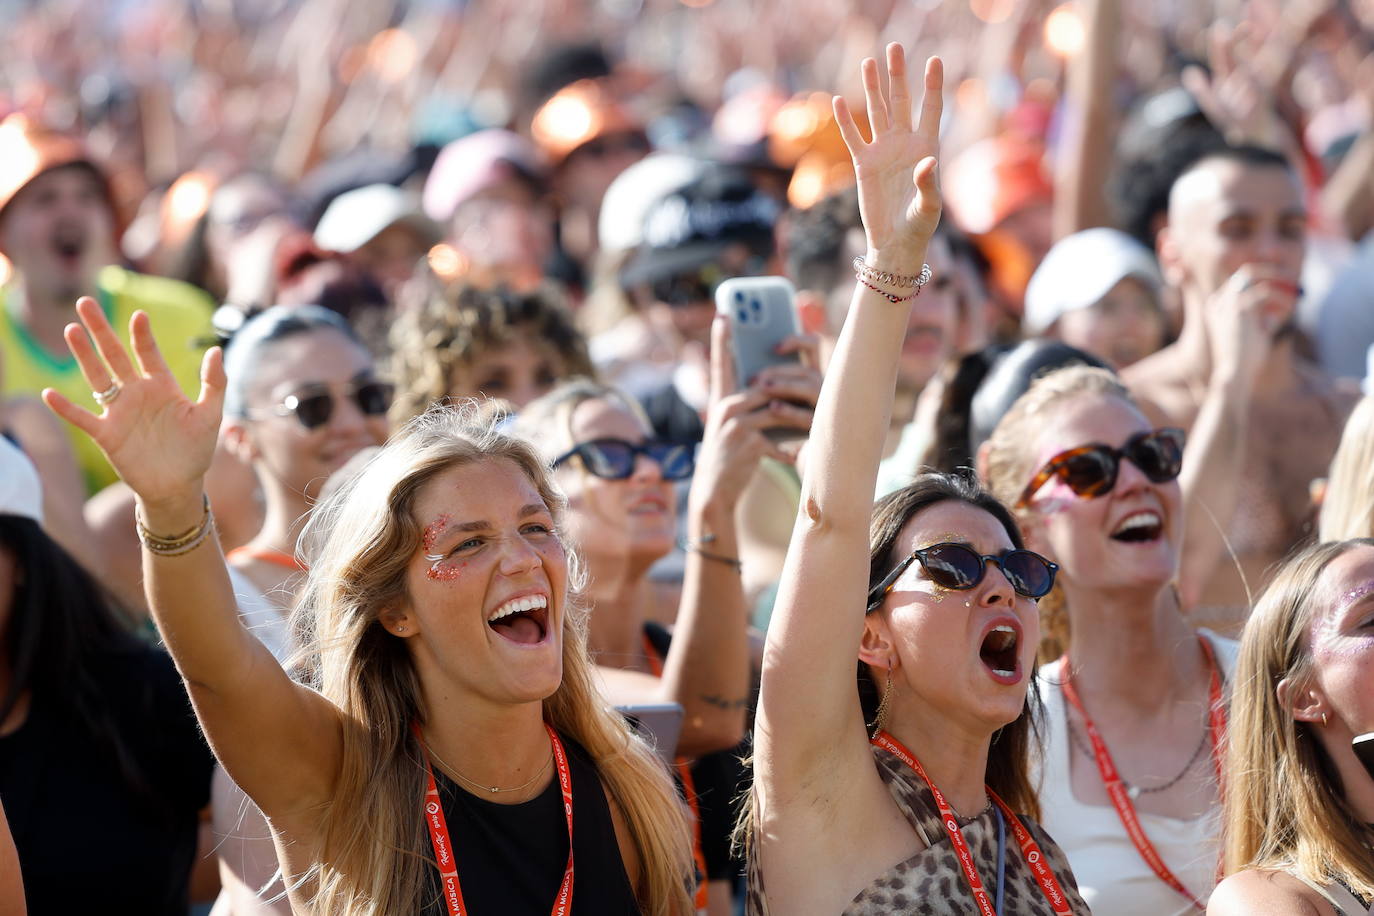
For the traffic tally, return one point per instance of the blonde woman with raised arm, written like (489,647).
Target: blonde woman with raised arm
(1299,805)
(913,798)
(448,753)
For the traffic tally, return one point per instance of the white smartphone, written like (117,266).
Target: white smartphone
(762,313)
(658,723)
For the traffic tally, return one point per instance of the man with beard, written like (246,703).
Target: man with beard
(58,231)
(1263,421)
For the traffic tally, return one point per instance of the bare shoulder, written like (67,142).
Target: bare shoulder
(1160,384)
(1265,892)
(1339,394)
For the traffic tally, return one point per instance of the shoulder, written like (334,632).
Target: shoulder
(1339,394)
(1265,892)
(164,299)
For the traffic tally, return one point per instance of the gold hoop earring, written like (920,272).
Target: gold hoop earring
(1324,722)
(880,716)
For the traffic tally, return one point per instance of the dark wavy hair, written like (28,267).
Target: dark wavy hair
(65,638)
(1009,756)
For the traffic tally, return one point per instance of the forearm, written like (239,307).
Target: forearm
(193,602)
(1082,172)
(707,669)
(1211,482)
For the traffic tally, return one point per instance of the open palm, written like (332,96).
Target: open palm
(898,195)
(158,440)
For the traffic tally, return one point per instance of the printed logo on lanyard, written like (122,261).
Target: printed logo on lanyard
(1030,850)
(1116,788)
(443,844)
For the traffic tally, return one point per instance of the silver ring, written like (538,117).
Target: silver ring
(106,397)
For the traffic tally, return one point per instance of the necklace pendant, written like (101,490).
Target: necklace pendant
(494,790)
(1133,792)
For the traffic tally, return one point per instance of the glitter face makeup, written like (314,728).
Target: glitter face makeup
(1326,636)
(439,571)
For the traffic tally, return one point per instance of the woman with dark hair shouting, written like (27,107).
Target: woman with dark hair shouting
(449,752)
(913,799)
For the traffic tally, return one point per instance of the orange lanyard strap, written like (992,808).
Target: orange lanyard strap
(1116,788)
(683,766)
(267,555)
(1030,850)
(443,844)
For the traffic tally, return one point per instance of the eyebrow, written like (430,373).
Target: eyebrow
(482,524)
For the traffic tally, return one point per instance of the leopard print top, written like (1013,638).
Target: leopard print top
(931,883)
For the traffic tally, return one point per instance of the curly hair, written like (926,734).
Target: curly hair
(454,326)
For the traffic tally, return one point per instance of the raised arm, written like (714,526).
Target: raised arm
(708,665)
(808,708)
(278,740)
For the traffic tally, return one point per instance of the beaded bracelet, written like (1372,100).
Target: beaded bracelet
(901,281)
(179,544)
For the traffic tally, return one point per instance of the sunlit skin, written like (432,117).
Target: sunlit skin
(518,370)
(489,525)
(1075,531)
(1342,645)
(936,640)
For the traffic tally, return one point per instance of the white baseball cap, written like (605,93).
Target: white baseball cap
(356,217)
(1082,268)
(21,493)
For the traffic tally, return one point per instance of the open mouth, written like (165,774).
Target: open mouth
(1139,528)
(998,653)
(522,620)
(68,246)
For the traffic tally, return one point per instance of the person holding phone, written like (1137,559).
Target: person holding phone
(622,519)
(907,787)
(1299,803)
(448,748)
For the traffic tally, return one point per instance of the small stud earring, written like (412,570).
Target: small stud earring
(400,629)
(968,604)
(1324,722)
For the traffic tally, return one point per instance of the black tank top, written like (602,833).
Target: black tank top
(511,858)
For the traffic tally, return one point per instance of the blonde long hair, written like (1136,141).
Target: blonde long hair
(374,850)
(1283,806)
(1348,507)
(1007,465)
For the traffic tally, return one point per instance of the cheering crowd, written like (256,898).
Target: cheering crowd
(420,495)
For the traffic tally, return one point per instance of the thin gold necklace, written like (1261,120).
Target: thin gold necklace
(448,767)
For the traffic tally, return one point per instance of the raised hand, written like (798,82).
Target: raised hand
(158,440)
(899,196)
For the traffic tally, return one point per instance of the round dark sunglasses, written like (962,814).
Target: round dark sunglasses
(614,459)
(958,567)
(313,406)
(1090,470)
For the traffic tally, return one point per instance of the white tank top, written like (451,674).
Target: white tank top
(1112,876)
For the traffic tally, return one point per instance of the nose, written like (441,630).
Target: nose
(647,470)
(1129,478)
(995,588)
(518,555)
(346,417)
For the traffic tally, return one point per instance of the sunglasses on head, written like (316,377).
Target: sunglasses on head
(314,405)
(1090,470)
(958,567)
(614,459)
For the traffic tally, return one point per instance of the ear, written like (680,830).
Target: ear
(980,461)
(1170,262)
(811,311)
(238,442)
(876,647)
(1307,704)
(399,622)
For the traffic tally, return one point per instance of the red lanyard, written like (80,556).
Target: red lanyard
(443,845)
(1116,789)
(1030,850)
(683,766)
(266,555)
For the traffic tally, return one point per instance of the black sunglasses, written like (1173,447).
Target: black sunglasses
(614,459)
(313,406)
(956,566)
(689,287)
(1090,470)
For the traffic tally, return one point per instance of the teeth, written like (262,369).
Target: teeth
(1138,520)
(515,606)
(1006,637)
